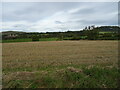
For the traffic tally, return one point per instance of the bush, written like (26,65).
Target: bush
(35,38)
(76,38)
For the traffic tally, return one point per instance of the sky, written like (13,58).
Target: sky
(56,16)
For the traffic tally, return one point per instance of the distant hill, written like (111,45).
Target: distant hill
(101,28)
(12,32)
(108,28)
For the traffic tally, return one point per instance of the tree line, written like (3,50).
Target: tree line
(88,33)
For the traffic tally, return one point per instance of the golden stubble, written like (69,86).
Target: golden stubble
(54,53)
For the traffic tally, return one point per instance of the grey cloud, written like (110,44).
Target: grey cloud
(99,22)
(58,22)
(98,13)
(33,11)
(85,11)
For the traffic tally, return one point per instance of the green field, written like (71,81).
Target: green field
(17,40)
(28,40)
(48,39)
(105,32)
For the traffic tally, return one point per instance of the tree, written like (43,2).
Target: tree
(85,28)
(89,27)
(60,36)
(93,34)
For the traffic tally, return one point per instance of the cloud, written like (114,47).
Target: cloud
(63,16)
(60,1)
(58,22)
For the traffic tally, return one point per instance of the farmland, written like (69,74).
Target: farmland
(28,40)
(60,64)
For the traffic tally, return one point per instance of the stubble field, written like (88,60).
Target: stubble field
(52,63)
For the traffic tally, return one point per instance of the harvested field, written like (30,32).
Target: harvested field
(49,56)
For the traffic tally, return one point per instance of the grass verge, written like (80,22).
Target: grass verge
(66,77)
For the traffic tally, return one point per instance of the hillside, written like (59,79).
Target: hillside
(108,28)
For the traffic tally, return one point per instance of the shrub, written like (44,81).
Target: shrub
(35,38)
